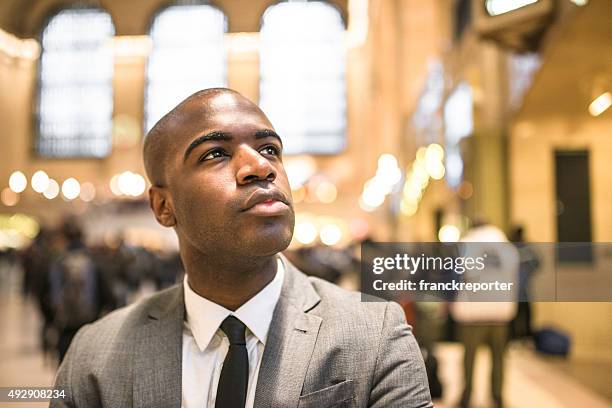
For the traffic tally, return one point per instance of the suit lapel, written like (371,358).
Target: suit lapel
(290,343)
(158,354)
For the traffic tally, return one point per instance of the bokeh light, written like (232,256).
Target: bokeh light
(9,197)
(52,190)
(449,233)
(330,234)
(305,232)
(326,192)
(40,181)
(71,188)
(18,182)
(88,192)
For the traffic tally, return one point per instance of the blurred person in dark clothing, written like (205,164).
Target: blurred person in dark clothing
(35,261)
(170,269)
(111,265)
(78,291)
(529,264)
(9,266)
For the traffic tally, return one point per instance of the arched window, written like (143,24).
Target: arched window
(302,75)
(188,54)
(75,100)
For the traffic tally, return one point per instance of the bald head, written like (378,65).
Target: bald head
(186,120)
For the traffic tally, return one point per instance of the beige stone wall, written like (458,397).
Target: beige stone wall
(532,164)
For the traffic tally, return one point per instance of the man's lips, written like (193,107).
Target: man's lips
(268,208)
(266,203)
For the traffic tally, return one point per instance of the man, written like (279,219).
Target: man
(529,262)
(486,322)
(245,328)
(78,292)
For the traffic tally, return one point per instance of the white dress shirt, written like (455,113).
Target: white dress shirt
(205,345)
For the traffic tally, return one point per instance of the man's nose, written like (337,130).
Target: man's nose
(252,166)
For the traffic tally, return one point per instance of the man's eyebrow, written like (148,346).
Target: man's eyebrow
(260,134)
(212,136)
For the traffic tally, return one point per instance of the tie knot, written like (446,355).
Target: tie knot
(234,330)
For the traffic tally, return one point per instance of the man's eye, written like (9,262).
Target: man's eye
(273,150)
(214,154)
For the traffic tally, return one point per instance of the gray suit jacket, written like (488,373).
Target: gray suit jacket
(325,348)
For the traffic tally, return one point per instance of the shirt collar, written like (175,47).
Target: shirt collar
(204,317)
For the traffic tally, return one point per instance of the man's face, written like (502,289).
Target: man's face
(226,182)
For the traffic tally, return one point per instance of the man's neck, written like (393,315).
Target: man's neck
(230,284)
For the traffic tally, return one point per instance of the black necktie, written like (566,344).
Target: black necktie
(232,388)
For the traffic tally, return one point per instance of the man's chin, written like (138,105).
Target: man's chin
(267,242)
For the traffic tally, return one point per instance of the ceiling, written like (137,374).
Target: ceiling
(577,64)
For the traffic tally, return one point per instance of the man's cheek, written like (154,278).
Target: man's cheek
(283,185)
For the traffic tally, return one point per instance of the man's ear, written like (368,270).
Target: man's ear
(161,204)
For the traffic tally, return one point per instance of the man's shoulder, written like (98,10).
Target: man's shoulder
(332,292)
(123,322)
(340,303)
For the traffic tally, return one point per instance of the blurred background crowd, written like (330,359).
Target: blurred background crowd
(402,120)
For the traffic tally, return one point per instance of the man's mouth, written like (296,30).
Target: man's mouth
(267,208)
(266,202)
